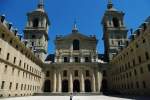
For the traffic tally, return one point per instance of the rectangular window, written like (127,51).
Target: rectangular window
(0,50)
(32,44)
(7,58)
(20,63)
(66,59)
(129,65)
(141,70)
(24,65)
(146,55)
(135,73)
(13,69)
(144,84)
(3,84)
(5,70)
(21,86)
(133,63)
(144,40)
(137,84)
(148,67)
(25,87)
(10,86)
(76,59)
(14,60)
(18,72)
(87,59)
(140,59)
(16,86)
(23,74)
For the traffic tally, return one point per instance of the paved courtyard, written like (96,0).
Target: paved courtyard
(74,98)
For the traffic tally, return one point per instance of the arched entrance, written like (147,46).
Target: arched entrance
(104,85)
(47,86)
(76,86)
(87,85)
(65,86)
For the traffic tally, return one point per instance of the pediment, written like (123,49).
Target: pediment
(76,35)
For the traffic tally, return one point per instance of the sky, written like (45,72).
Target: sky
(88,15)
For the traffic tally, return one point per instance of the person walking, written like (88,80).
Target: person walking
(71,97)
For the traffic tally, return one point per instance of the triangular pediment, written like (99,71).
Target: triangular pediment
(76,35)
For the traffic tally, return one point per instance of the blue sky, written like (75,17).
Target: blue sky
(88,14)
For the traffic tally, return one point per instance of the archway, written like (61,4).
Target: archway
(76,45)
(104,85)
(115,22)
(47,86)
(65,86)
(76,86)
(87,85)
(35,22)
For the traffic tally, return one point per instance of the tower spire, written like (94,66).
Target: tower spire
(110,4)
(41,4)
(75,29)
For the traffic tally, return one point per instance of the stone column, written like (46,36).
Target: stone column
(59,83)
(60,59)
(54,82)
(70,83)
(82,59)
(120,23)
(93,83)
(71,59)
(99,81)
(92,59)
(56,60)
(82,83)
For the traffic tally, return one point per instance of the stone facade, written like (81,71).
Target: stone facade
(130,69)
(20,71)
(76,67)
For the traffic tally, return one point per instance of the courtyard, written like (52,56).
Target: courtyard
(96,97)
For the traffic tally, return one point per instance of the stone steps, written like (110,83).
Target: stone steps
(67,94)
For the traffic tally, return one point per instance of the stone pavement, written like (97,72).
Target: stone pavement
(102,97)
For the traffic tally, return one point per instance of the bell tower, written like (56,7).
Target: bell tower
(36,31)
(114,31)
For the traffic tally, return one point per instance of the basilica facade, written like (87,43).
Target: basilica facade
(76,67)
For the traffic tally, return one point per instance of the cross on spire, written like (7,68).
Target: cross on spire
(110,4)
(41,4)
(109,1)
(75,29)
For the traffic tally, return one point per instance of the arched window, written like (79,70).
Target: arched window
(35,22)
(116,22)
(76,45)
(47,74)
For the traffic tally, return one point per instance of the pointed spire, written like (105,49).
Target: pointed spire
(41,4)
(75,29)
(110,4)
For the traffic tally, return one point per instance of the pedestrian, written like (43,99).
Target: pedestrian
(71,96)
